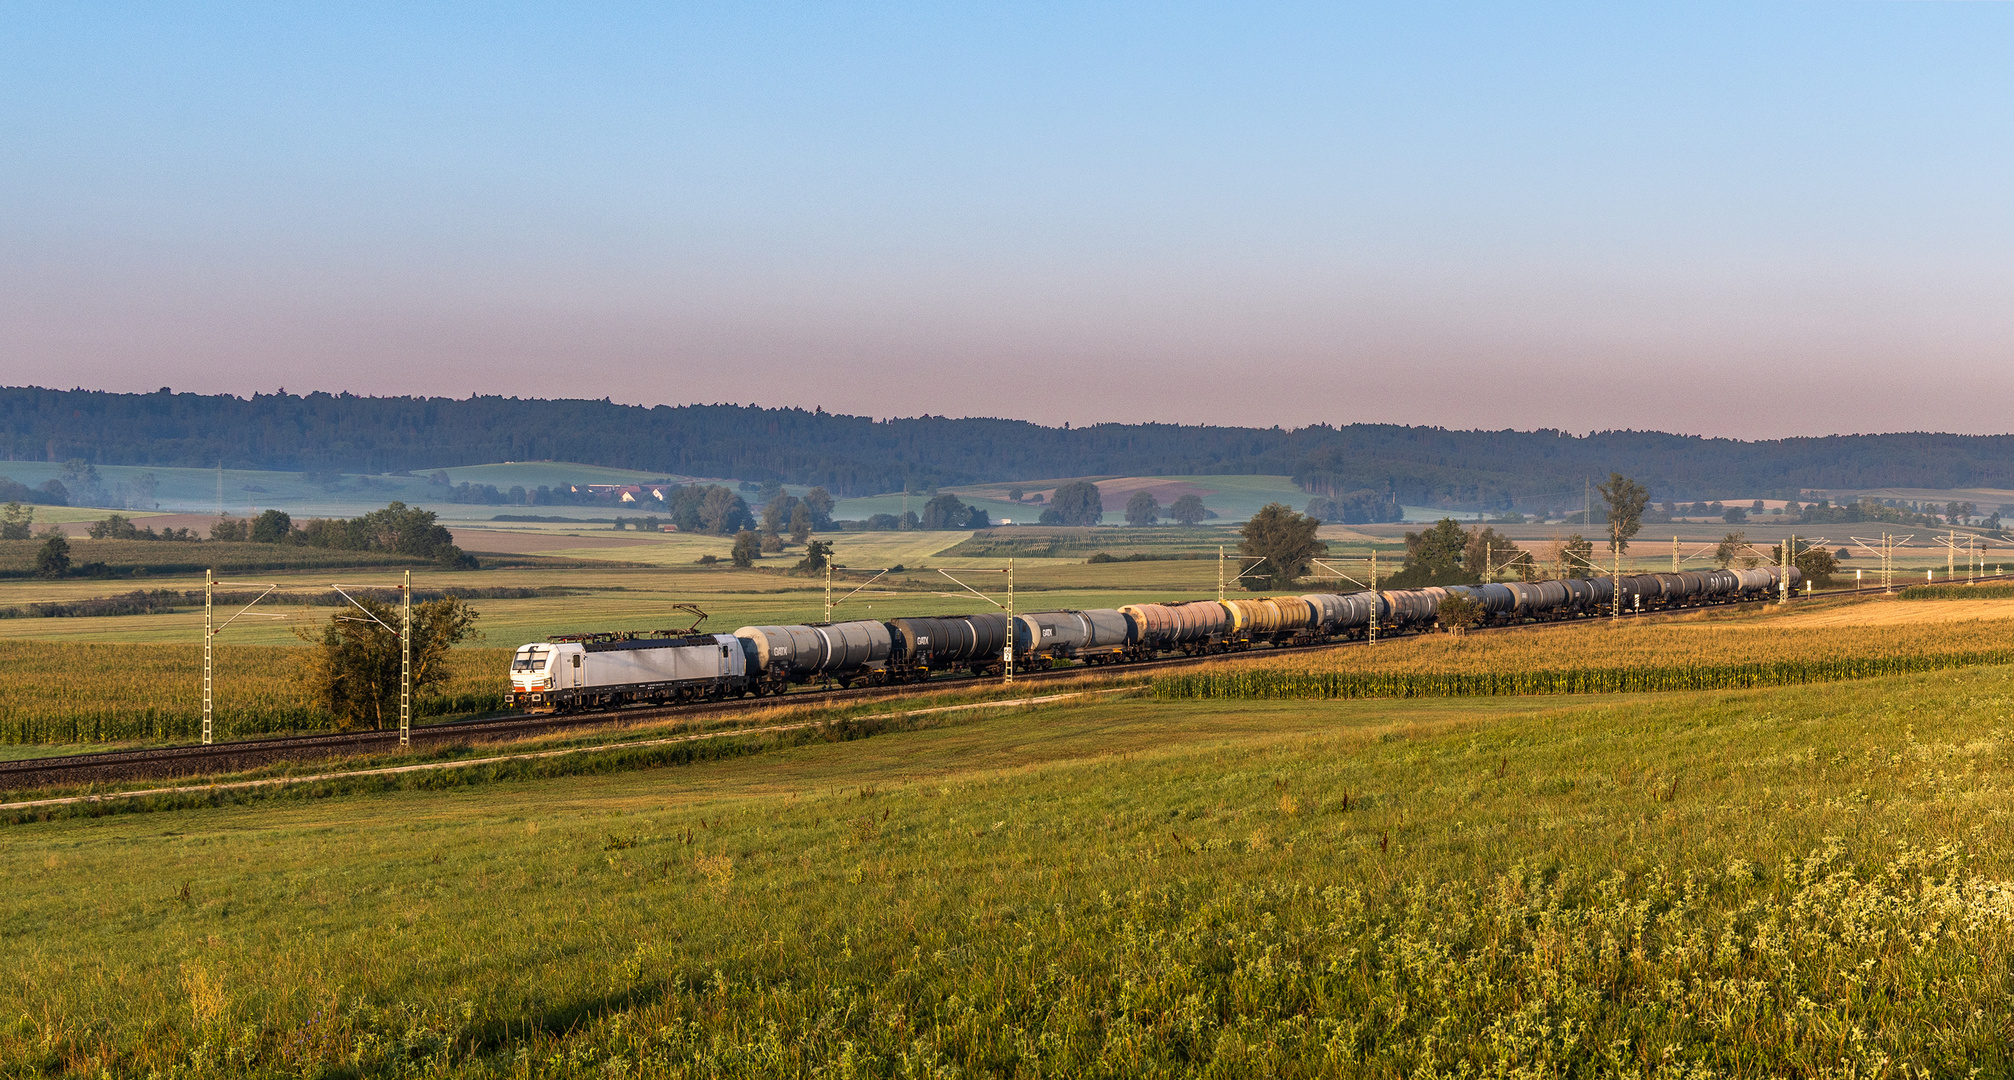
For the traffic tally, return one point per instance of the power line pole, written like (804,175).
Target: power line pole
(1674,554)
(1783,583)
(1007,650)
(209,644)
(1376,598)
(1220,573)
(1615,565)
(828,586)
(406,662)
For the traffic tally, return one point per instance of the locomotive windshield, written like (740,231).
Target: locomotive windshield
(530,659)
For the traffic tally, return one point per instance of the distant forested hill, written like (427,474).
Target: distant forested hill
(855,455)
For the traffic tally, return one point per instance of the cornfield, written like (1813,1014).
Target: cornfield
(1958,592)
(1306,685)
(1596,660)
(69,692)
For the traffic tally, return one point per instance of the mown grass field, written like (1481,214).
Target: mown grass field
(1765,883)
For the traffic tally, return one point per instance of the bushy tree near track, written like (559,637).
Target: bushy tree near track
(353,670)
(1626,499)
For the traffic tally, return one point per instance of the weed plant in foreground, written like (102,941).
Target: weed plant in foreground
(1796,882)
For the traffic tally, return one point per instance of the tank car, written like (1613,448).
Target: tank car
(1098,636)
(839,653)
(937,643)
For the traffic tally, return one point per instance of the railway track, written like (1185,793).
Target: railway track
(239,755)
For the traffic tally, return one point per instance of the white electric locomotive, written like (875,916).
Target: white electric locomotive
(597,671)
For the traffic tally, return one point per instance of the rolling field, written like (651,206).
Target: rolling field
(1759,883)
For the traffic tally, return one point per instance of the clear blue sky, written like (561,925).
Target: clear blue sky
(1753,219)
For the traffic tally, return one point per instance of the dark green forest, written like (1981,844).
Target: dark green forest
(855,455)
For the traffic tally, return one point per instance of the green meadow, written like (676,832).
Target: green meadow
(1787,882)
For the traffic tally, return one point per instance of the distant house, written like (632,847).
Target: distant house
(667,528)
(630,494)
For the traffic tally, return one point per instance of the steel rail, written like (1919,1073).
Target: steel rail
(236,755)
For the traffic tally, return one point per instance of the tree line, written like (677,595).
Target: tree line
(1368,469)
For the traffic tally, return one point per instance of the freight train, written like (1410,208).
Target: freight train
(597,671)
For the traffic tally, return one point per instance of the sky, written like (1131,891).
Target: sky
(1748,220)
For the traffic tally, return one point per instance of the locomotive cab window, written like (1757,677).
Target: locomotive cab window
(529,660)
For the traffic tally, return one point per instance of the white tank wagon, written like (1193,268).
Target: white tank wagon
(608,670)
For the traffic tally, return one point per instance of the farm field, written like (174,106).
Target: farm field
(75,693)
(167,557)
(1720,638)
(1742,883)
(617,597)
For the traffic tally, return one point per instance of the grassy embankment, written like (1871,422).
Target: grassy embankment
(1789,882)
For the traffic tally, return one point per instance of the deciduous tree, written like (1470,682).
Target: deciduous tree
(946,511)
(16,521)
(1434,557)
(1730,549)
(1078,503)
(747,548)
(819,502)
(1189,509)
(1286,540)
(1626,499)
(1143,508)
(353,670)
(53,558)
(817,554)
